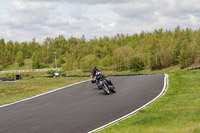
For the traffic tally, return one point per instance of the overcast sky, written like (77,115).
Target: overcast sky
(23,20)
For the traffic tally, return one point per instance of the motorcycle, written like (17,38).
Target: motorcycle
(103,82)
(108,88)
(96,80)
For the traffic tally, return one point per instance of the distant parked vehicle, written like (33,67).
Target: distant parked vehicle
(6,79)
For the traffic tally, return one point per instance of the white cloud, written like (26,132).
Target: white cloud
(133,9)
(150,15)
(6,19)
(57,21)
(26,19)
(182,6)
(193,19)
(87,1)
(31,6)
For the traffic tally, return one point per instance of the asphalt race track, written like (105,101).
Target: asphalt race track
(80,108)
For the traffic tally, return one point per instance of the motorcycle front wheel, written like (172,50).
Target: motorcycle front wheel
(106,90)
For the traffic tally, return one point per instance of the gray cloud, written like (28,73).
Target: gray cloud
(87,1)
(26,21)
(23,6)
(149,15)
(42,18)
(178,8)
(133,9)
(171,8)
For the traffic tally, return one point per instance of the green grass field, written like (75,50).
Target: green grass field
(178,111)
(15,66)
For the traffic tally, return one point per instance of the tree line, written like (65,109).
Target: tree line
(156,50)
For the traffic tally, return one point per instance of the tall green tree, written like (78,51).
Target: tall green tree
(123,57)
(32,46)
(88,62)
(24,49)
(186,56)
(2,48)
(136,63)
(20,58)
(9,54)
(153,56)
(35,61)
(16,48)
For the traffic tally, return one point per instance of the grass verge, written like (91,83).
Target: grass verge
(15,66)
(12,92)
(178,111)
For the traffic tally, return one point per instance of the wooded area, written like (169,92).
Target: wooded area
(157,50)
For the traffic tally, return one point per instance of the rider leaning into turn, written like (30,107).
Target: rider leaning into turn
(97,72)
(94,71)
(104,77)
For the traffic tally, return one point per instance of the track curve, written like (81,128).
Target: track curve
(80,108)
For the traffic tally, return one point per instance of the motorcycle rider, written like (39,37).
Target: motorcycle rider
(93,73)
(100,76)
(94,70)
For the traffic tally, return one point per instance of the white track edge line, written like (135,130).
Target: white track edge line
(123,117)
(26,99)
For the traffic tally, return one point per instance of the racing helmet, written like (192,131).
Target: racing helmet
(94,67)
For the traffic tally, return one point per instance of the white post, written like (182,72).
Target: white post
(56,74)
